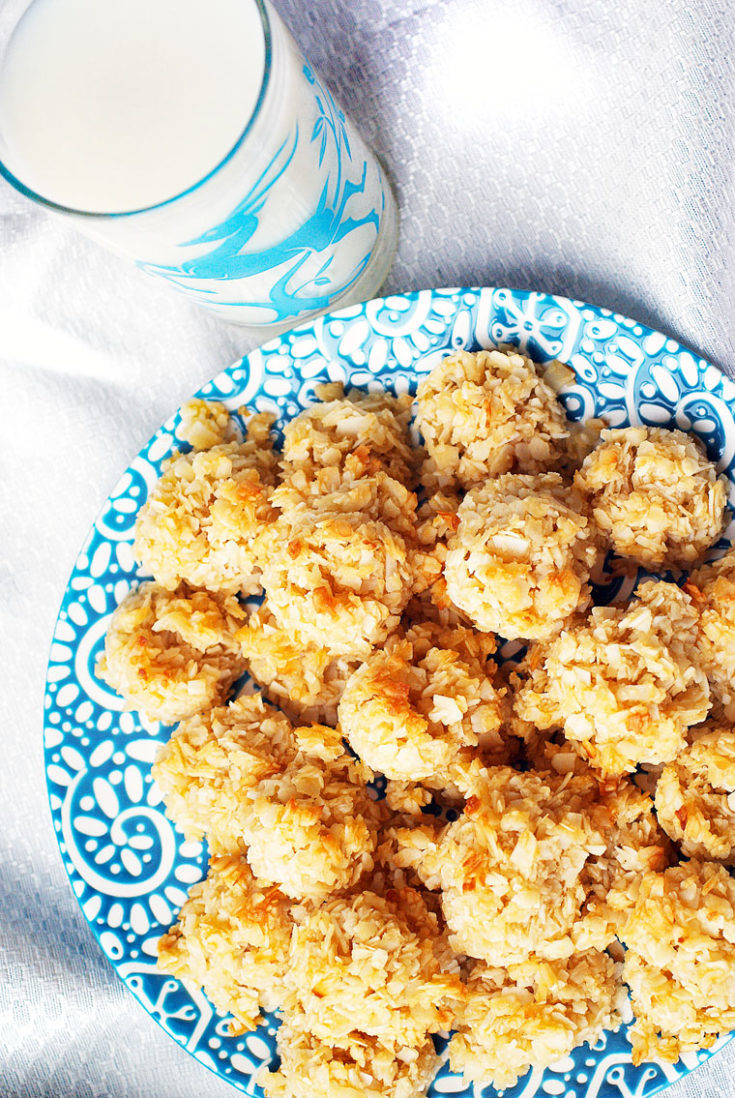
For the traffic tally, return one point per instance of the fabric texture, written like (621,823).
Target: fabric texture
(572,146)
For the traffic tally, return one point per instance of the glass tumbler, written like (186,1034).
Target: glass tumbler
(297,218)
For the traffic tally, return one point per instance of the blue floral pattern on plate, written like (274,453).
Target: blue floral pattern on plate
(128,865)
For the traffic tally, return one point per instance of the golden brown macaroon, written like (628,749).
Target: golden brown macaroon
(488,413)
(510,869)
(531,1014)
(654,495)
(412,706)
(231,939)
(623,682)
(311,827)
(307,682)
(339,569)
(636,845)
(635,841)
(680,960)
(172,654)
(201,519)
(695,797)
(712,587)
(372,427)
(365,1069)
(519,561)
(211,760)
(372,965)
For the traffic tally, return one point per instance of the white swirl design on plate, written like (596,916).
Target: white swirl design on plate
(129,868)
(121,852)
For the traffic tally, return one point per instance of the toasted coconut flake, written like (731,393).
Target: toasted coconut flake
(550,750)
(558,375)
(206,423)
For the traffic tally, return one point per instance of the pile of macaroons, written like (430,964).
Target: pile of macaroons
(590,787)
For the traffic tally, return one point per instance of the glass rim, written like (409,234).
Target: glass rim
(92,215)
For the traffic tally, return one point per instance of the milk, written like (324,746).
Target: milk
(193,136)
(109,107)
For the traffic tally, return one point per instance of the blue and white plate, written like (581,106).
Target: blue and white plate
(129,866)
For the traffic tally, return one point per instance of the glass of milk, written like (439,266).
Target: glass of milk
(193,136)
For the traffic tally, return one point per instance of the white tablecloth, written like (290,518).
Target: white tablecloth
(576,146)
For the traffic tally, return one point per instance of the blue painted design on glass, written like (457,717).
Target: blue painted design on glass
(302,263)
(129,866)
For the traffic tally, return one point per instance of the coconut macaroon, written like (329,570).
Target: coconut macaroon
(231,939)
(510,869)
(212,759)
(373,427)
(531,1015)
(312,827)
(695,797)
(636,845)
(410,707)
(340,568)
(307,682)
(366,1069)
(713,589)
(680,960)
(171,654)
(371,965)
(654,495)
(519,561)
(635,841)
(488,413)
(623,682)
(200,520)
